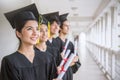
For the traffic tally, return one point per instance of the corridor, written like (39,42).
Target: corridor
(89,69)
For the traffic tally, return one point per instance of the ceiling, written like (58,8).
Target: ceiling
(81,12)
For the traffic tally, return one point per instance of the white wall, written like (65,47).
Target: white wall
(8,40)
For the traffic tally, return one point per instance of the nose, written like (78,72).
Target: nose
(35,32)
(44,33)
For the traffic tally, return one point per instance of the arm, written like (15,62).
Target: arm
(76,62)
(8,72)
(75,66)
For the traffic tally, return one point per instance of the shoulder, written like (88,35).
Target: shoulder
(53,49)
(11,58)
(57,39)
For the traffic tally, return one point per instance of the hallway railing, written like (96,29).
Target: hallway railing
(107,59)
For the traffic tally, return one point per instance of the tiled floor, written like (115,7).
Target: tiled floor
(89,69)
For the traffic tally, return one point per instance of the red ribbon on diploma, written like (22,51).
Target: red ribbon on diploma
(62,69)
(65,60)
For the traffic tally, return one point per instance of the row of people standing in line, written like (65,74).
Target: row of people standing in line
(59,23)
(30,61)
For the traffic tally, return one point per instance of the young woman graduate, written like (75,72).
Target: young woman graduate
(25,63)
(46,51)
(61,41)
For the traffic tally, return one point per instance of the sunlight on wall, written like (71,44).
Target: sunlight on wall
(82,48)
(82,38)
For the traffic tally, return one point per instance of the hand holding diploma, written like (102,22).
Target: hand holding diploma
(66,66)
(64,58)
(76,58)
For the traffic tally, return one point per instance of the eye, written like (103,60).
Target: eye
(29,28)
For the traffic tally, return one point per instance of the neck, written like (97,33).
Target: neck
(42,46)
(51,36)
(62,36)
(26,49)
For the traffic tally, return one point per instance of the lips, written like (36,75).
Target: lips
(34,38)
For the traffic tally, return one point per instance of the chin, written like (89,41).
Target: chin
(33,42)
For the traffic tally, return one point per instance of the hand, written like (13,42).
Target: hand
(62,55)
(74,60)
(58,69)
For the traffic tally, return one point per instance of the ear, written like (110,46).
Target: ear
(18,34)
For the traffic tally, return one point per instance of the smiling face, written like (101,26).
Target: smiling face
(54,28)
(29,33)
(43,33)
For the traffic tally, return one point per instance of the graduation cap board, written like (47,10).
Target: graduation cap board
(43,20)
(54,16)
(63,17)
(18,16)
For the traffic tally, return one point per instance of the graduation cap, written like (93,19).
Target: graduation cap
(19,16)
(43,20)
(63,17)
(51,17)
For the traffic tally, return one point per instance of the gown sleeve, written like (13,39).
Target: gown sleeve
(77,64)
(8,72)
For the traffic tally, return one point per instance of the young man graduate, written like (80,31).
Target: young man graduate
(53,27)
(61,41)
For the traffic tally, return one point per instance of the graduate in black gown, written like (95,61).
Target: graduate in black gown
(53,27)
(26,63)
(61,41)
(43,49)
(54,24)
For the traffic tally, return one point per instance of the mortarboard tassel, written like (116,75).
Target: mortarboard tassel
(48,29)
(39,22)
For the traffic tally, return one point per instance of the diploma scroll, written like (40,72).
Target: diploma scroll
(64,50)
(65,58)
(66,66)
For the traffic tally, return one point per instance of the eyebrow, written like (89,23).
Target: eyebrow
(27,26)
(30,26)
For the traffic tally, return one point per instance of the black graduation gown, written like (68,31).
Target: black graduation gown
(17,67)
(73,69)
(53,43)
(52,67)
(55,53)
(53,49)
